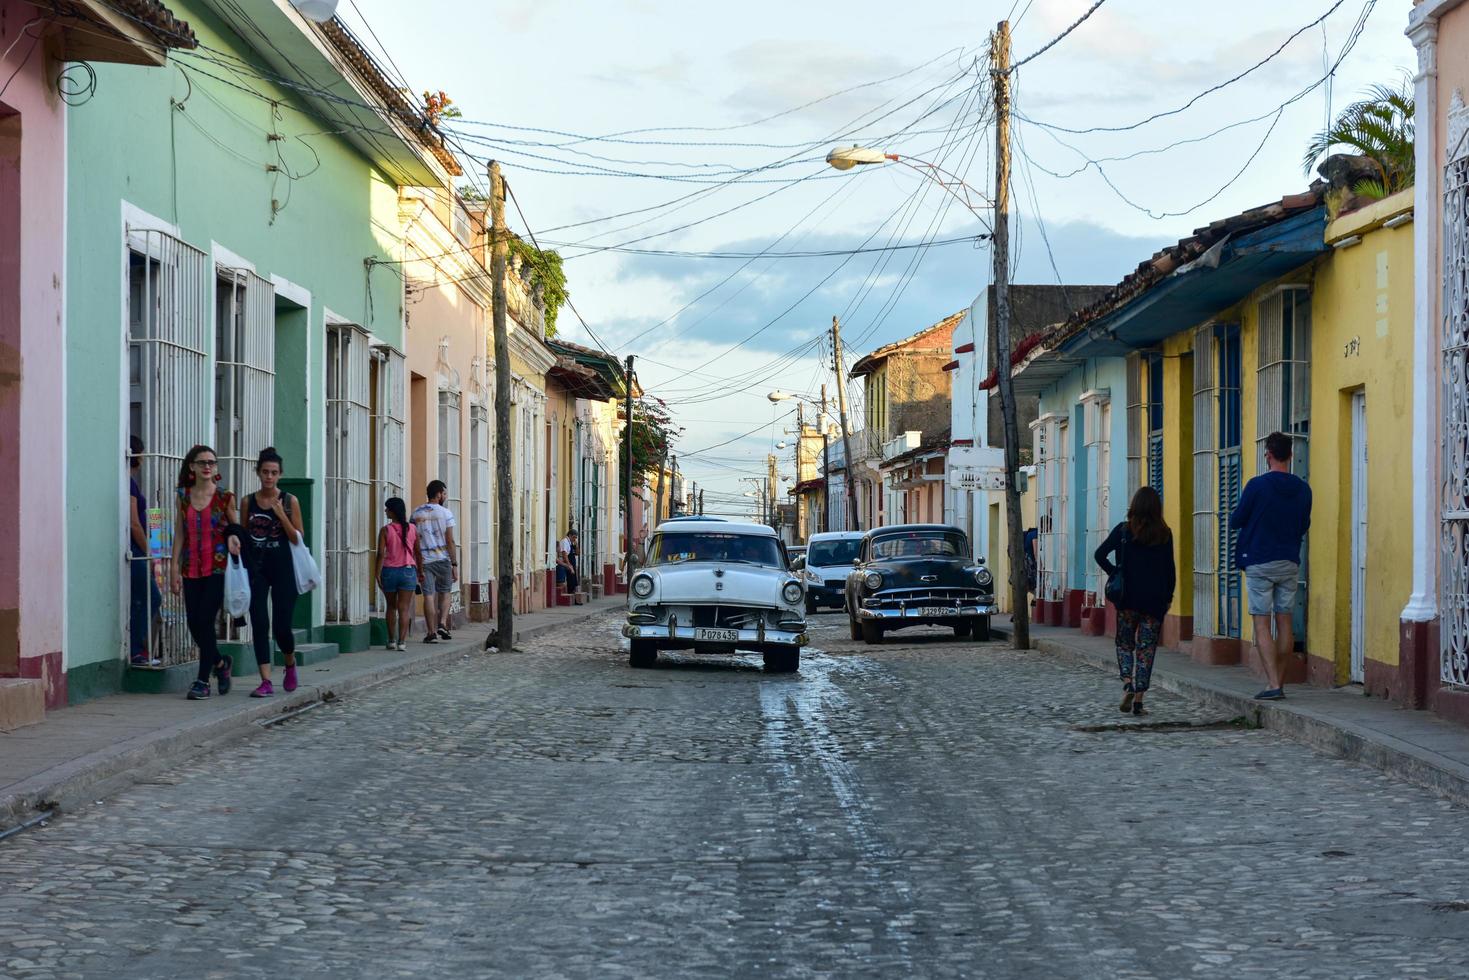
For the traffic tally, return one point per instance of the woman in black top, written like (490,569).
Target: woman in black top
(1144,548)
(273,521)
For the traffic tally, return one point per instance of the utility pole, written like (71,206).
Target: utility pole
(658,513)
(504,489)
(800,533)
(675,489)
(770,487)
(1020,610)
(701,503)
(852,522)
(825,467)
(627,487)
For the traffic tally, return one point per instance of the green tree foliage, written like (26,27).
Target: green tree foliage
(549,273)
(653,432)
(1378,127)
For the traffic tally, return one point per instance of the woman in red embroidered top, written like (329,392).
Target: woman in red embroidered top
(207,531)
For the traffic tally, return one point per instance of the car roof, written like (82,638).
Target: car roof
(904,528)
(834,536)
(718,525)
(693,517)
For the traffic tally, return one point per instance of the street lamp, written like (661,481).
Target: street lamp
(974,201)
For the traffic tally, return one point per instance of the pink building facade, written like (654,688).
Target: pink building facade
(38,41)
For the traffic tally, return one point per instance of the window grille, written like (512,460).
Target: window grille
(1454,397)
(1230,466)
(350,525)
(1283,385)
(1137,435)
(479,494)
(1051,506)
(1206,490)
(451,456)
(168,401)
(244,374)
(1097,408)
(388,400)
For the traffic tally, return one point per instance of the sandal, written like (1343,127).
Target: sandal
(1126,705)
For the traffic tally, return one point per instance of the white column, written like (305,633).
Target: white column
(1423,602)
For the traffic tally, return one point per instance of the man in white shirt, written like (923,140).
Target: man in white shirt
(566,563)
(438,568)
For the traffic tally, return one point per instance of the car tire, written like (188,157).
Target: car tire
(642,655)
(783,661)
(981,629)
(963,629)
(855,629)
(871,632)
(810,606)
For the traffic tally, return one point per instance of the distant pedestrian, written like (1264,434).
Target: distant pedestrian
(397,569)
(1271,520)
(438,562)
(144,600)
(207,533)
(1143,545)
(273,523)
(566,563)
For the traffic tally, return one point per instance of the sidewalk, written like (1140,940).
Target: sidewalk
(1413,745)
(92,749)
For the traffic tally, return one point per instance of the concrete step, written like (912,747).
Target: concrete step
(22,702)
(309,654)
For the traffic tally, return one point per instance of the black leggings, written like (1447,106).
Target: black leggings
(277,582)
(203,598)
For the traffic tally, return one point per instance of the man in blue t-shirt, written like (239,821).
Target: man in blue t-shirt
(1272,518)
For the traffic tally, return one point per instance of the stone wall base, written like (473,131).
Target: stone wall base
(1177,630)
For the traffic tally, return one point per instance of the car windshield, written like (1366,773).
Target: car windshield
(676,547)
(839,551)
(920,544)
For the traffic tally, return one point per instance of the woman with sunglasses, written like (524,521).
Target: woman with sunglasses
(207,532)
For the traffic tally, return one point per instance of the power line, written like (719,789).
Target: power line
(1058,38)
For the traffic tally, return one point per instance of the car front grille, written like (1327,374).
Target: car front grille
(896,598)
(727,617)
(835,583)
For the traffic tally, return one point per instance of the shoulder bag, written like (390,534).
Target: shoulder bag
(1115,585)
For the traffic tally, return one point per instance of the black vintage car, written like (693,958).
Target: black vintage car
(918,574)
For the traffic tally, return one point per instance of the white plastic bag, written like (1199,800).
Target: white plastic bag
(308,576)
(236,588)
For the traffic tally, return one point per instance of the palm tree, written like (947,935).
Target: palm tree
(1378,127)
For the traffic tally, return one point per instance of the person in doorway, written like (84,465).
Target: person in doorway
(1143,545)
(438,563)
(144,599)
(396,573)
(566,563)
(208,532)
(1271,520)
(273,523)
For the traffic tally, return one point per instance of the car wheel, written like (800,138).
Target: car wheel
(981,628)
(783,661)
(963,629)
(856,630)
(810,606)
(871,632)
(642,654)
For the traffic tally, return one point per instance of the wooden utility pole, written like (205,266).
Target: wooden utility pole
(770,489)
(852,523)
(504,488)
(800,534)
(1000,249)
(658,513)
(628,485)
(825,467)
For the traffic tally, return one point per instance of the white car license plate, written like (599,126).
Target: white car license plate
(929,611)
(719,636)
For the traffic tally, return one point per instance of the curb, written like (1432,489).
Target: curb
(1332,736)
(107,771)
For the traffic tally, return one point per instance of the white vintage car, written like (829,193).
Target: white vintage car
(715,587)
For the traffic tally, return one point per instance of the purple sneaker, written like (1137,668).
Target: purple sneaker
(263,691)
(290,682)
(222,673)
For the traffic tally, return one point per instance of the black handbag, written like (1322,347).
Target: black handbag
(1114,587)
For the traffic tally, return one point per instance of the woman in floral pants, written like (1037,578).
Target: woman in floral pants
(1143,545)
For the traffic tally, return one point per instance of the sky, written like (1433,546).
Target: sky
(691,129)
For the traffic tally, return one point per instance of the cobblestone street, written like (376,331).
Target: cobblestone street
(929,807)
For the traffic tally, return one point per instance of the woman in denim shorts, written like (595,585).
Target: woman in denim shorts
(397,569)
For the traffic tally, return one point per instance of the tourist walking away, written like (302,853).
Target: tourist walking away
(272,524)
(144,598)
(1140,584)
(438,562)
(207,534)
(396,571)
(566,563)
(1271,520)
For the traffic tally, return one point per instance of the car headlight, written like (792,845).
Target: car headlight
(983,577)
(642,586)
(812,577)
(792,592)
(873,580)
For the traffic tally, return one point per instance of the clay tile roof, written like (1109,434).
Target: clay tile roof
(1162,264)
(170,30)
(869,362)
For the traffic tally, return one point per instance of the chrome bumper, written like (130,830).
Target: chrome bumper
(917,612)
(660,631)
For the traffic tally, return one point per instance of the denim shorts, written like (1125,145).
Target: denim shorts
(1272,587)
(404,579)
